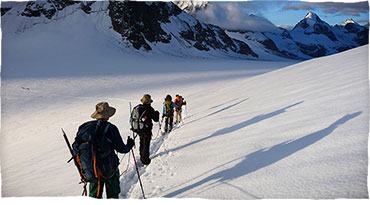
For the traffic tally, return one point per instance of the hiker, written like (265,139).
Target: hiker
(107,139)
(145,135)
(168,107)
(179,101)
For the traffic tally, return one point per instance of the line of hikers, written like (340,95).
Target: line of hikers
(93,150)
(170,109)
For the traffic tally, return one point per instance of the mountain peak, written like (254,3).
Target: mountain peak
(311,18)
(191,6)
(311,15)
(350,20)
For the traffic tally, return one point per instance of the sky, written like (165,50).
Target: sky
(266,15)
(262,15)
(291,12)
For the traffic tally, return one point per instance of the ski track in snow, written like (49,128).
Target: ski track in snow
(130,183)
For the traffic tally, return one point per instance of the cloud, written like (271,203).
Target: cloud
(298,7)
(335,8)
(232,16)
(353,9)
(363,21)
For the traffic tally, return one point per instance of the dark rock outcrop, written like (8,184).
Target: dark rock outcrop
(138,22)
(47,8)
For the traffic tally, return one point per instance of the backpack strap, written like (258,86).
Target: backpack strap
(105,133)
(106,128)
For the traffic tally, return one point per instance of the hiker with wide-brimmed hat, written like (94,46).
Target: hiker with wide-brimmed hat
(106,140)
(147,114)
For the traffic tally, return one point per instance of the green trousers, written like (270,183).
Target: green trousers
(112,188)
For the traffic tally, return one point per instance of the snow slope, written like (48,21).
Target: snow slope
(297,132)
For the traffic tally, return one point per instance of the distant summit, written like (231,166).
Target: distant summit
(191,7)
(350,20)
(309,21)
(312,15)
(312,24)
(352,26)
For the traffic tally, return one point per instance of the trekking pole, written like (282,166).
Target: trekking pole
(133,155)
(138,175)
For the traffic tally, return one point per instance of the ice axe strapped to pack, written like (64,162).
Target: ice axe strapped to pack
(92,153)
(75,161)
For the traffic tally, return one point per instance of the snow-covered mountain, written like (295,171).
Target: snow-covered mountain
(309,38)
(359,33)
(162,27)
(147,26)
(317,38)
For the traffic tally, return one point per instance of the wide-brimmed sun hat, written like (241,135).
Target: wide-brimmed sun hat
(146,99)
(103,111)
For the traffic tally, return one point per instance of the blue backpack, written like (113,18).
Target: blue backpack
(94,152)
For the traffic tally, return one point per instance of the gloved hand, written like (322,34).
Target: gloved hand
(164,115)
(130,142)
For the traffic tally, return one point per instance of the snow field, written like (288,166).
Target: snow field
(241,138)
(304,136)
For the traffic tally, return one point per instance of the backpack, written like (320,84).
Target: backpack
(179,102)
(94,152)
(137,119)
(168,108)
(183,102)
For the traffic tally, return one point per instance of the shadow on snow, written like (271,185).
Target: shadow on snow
(223,109)
(265,157)
(234,127)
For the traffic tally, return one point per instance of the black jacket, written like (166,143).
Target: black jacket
(150,114)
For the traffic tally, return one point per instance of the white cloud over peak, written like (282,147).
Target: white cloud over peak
(232,16)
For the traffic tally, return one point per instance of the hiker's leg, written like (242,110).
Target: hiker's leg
(146,150)
(166,124)
(113,187)
(176,116)
(171,123)
(96,189)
